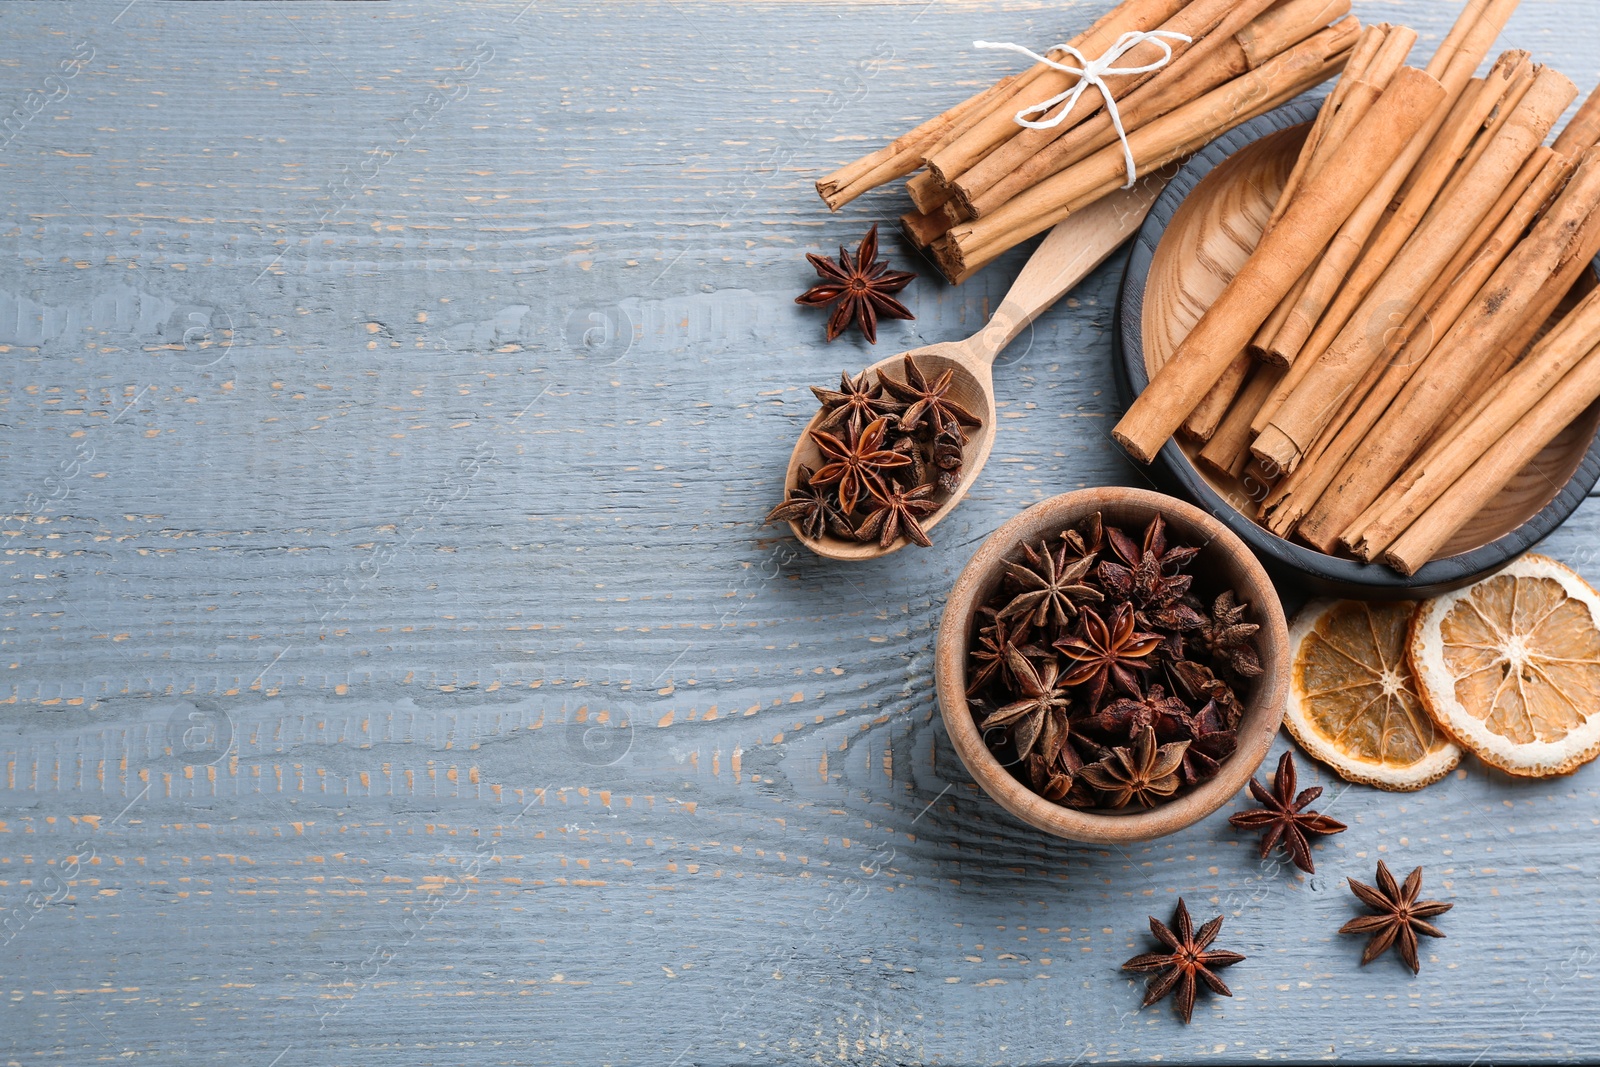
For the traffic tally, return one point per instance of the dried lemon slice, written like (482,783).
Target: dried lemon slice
(1352,701)
(1511,667)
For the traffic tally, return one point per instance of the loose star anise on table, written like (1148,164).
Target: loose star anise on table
(1284,817)
(1400,916)
(1145,690)
(1188,963)
(861,284)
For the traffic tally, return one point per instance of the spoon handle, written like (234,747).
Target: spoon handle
(1076,246)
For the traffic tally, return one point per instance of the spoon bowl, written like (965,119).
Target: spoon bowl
(1072,249)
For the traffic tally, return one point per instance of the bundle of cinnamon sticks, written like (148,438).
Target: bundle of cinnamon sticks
(1368,370)
(984,183)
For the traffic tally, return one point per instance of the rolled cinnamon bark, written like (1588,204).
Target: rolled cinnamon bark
(1228,451)
(1468,42)
(1345,248)
(1510,452)
(904,154)
(1583,129)
(999,125)
(1495,313)
(1426,481)
(1324,201)
(1033,155)
(1446,300)
(1180,132)
(1367,337)
(1207,415)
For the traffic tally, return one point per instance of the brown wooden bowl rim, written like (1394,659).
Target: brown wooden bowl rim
(1332,574)
(1263,711)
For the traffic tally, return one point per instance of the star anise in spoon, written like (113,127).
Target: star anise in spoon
(861,284)
(1041,693)
(855,403)
(1283,816)
(1144,775)
(1400,916)
(1107,653)
(811,507)
(928,400)
(1188,961)
(895,510)
(857,463)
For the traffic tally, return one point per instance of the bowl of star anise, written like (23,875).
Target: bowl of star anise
(1112,665)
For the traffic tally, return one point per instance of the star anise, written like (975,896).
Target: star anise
(1054,765)
(855,403)
(927,400)
(1400,916)
(1103,653)
(861,284)
(895,511)
(1283,816)
(1041,692)
(857,463)
(1122,720)
(1149,574)
(995,642)
(1050,587)
(812,508)
(948,453)
(1212,741)
(1189,959)
(1144,775)
(1201,684)
(1226,636)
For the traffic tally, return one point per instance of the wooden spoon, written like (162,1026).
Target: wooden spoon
(1072,249)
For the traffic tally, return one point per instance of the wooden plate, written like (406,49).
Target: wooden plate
(1198,235)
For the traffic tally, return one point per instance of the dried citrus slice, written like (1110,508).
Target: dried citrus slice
(1511,667)
(1352,701)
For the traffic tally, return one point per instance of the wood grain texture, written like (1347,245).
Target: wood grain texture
(397,671)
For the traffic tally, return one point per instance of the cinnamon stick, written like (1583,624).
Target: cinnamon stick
(1208,414)
(1495,313)
(904,154)
(1180,132)
(927,195)
(1458,57)
(1324,201)
(1583,130)
(1033,155)
(1426,481)
(1366,337)
(999,125)
(1510,452)
(1228,451)
(1445,302)
(1346,247)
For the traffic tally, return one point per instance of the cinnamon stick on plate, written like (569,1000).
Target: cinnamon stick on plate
(1322,204)
(1427,480)
(1495,313)
(1368,335)
(1509,453)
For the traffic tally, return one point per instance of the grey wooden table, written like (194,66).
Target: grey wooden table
(396,667)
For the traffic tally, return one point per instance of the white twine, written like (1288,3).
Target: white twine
(1093,73)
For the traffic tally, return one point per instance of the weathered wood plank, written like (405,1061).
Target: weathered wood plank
(396,630)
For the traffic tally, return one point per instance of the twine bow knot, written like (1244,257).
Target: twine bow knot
(1093,72)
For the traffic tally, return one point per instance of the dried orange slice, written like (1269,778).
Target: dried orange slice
(1511,667)
(1352,701)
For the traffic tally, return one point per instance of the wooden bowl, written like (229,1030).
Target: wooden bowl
(1224,560)
(1200,232)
